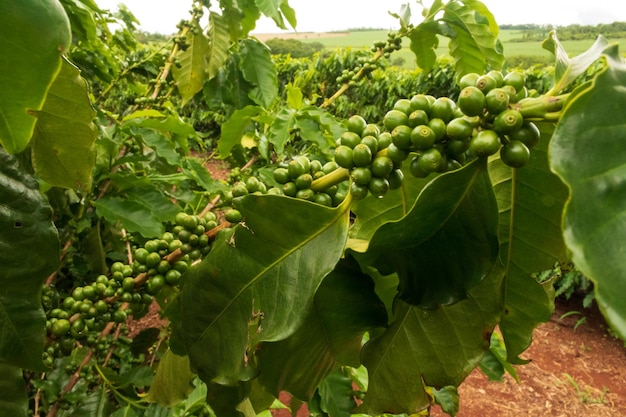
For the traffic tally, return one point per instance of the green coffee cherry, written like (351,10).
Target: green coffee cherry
(468,80)
(420,102)
(381,166)
(418,117)
(371,142)
(401,136)
(459,129)
(508,121)
(350,139)
(233,216)
(343,156)
(496,101)
(486,83)
(431,160)
(361,155)
(358,192)
(356,124)
(396,154)
(395,118)
(443,108)
(471,101)
(515,154)
(485,143)
(515,79)
(361,175)
(384,140)
(528,134)
(423,137)
(371,130)
(403,105)
(378,186)
(497,75)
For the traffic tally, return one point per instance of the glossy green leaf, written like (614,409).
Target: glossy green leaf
(155,202)
(160,142)
(336,394)
(171,134)
(331,126)
(172,124)
(131,215)
(588,154)
(424,41)
(435,348)
(127,411)
(227,400)
(311,131)
(13,397)
(345,307)
(63,150)
(234,128)
(240,17)
(294,97)
(194,168)
(93,251)
(281,128)
(289,13)
(448,398)
(474,46)
(494,364)
(404,15)
(25,224)
(530,201)
(82,20)
(229,301)
(230,87)
(446,244)
(259,70)
(95,404)
(172,382)
(219,44)
(33,36)
(372,212)
(192,72)
(275,9)
(567,70)
(485,13)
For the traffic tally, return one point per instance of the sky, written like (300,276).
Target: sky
(326,15)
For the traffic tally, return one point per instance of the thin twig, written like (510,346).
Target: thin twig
(346,86)
(38,396)
(209,206)
(70,385)
(52,276)
(129,250)
(250,162)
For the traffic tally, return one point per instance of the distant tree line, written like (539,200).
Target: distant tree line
(532,32)
(148,37)
(293,47)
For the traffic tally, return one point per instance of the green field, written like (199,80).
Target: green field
(365,39)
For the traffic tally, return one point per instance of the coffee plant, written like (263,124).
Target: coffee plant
(362,265)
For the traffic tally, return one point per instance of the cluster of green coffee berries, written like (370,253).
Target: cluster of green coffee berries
(393,43)
(362,150)
(491,99)
(439,134)
(362,69)
(366,65)
(129,288)
(298,175)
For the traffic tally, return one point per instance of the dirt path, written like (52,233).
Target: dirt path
(575,371)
